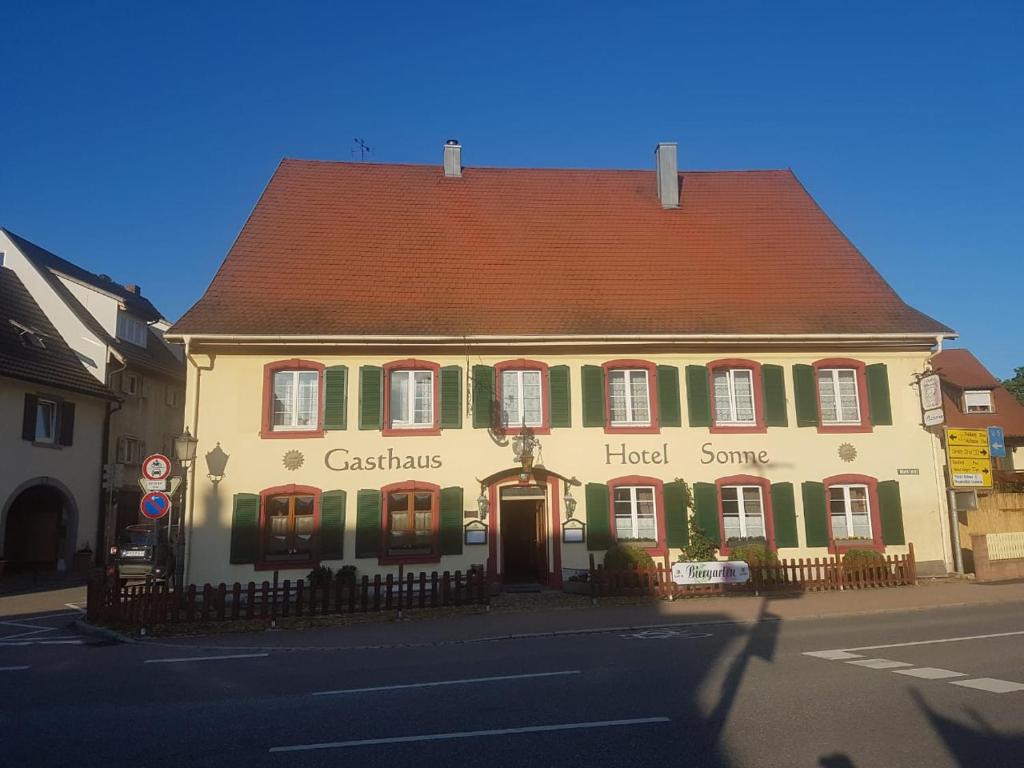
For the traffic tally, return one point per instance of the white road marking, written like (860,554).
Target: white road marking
(14,669)
(879,663)
(929,673)
(206,658)
(75,606)
(446,682)
(474,734)
(930,642)
(989,684)
(60,642)
(833,655)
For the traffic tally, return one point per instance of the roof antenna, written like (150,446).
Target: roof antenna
(361,148)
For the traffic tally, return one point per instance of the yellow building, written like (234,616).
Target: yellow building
(364,365)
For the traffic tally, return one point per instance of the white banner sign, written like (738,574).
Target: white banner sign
(714,572)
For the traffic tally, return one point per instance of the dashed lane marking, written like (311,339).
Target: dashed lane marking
(929,673)
(989,684)
(879,663)
(833,655)
(15,669)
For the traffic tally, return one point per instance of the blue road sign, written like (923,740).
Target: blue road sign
(155,505)
(996,443)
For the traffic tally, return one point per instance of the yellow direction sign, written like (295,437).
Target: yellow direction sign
(968,452)
(970,463)
(967,437)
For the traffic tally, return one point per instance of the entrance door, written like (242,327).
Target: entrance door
(522,540)
(36,530)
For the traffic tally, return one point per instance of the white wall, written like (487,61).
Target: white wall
(101,305)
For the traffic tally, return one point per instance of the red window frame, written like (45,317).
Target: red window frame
(410,486)
(412,364)
(295,364)
(876,542)
(285,565)
(862,396)
(660,549)
(766,499)
(758,427)
(522,364)
(652,399)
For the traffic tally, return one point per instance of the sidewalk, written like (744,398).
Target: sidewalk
(582,617)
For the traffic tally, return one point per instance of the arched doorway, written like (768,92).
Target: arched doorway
(39,528)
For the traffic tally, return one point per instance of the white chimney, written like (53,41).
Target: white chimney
(452,158)
(668,174)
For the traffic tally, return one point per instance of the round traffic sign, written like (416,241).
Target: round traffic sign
(156,467)
(155,505)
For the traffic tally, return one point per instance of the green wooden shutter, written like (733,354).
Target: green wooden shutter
(368,523)
(371,390)
(806,396)
(878,394)
(593,397)
(698,399)
(483,396)
(245,528)
(677,524)
(66,424)
(815,511)
(451,521)
(670,413)
(28,418)
(773,381)
(451,397)
(784,515)
(890,509)
(332,525)
(336,397)
(561,396)
(599,527)
(705,510)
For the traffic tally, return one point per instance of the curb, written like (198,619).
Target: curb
(107,634)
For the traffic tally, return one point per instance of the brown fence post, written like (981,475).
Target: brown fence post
(221,595)
(912,563)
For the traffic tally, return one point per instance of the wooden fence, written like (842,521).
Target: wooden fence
(111,602)
(796,575)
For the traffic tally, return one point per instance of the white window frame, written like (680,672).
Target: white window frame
(410,405)
(171,396)
(731,378)
(848,509)
(741,509)
(833,375)
(634,514)
(131,383)
(52,438)
(519,416)
(129,450)
(986,407)
(132,329)
(628,374)
(293,425)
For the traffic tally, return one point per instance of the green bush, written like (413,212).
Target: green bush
(625,557)
(701,549)
(320,576)
(862,558)
(752,550)
(347,574)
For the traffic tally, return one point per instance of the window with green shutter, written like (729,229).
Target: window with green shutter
(332,525)
(593,397)
(784,515)
(245,528)
(452,515)
(599,534)
(561,396)
(669,409)
(879,404)
(483,396)
(698,399)
(371,392)
(815,514)
(368,523)
(677,524)
(705,510)
(336,397)
(773,382)
(890,510)
(451,397)
(805,394)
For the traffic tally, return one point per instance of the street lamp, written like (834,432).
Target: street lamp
(185,452)
(570,502)
(185,448)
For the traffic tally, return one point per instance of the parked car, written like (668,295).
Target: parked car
(136,555)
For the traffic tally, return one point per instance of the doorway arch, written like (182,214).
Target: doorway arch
(39,526)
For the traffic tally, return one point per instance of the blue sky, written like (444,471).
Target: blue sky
(136,137)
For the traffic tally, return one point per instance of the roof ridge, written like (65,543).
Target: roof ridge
(541,169)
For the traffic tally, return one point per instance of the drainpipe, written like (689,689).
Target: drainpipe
(186,540)
(107,494)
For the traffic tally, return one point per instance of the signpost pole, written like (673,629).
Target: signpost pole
(954,519)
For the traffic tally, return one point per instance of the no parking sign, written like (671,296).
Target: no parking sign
(155,505)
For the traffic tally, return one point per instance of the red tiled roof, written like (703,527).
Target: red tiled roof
(961,370)
(371,249)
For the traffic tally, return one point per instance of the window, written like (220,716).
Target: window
(172,396)
(46,421)
(412,399)
(289,525)
(978,401)
(129,450)
(635,515)
(838,397)
(131,329)
(629,397)
(521,398)
(411,528)
(131,383)
(850,511)
(295,401)
(743,512)
(734,396)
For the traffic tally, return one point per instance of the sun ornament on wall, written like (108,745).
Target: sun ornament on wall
(847,452)
(293,460)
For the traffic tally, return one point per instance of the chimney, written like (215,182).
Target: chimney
(133,288)
(667,174)
(452,158)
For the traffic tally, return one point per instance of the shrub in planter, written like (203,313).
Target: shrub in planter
(625,557)
(320,576)
(753,550)
(347,574)
(855,559)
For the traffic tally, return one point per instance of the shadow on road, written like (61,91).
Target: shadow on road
(968,743)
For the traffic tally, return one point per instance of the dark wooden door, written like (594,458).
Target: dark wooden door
(522,537)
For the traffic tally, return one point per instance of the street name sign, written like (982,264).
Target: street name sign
(714,572)
(152,485)
(969,458)
(156,467)
(155,505)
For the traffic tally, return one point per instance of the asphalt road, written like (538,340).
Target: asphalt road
(882,690)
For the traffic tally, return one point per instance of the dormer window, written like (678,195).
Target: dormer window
(131,329)
(30,337)
(978,401)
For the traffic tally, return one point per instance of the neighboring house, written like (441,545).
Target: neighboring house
(654,329)
(117,335)
(52,413)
